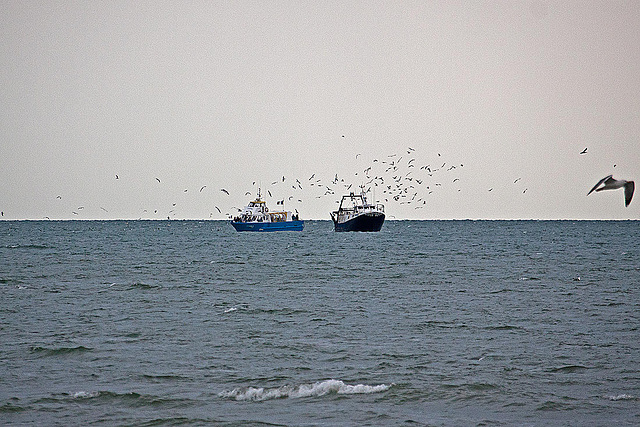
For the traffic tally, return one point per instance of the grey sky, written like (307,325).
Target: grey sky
(223,94)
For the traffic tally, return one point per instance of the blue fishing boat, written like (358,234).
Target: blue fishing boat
(257,217)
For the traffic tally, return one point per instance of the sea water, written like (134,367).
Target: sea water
(424,323)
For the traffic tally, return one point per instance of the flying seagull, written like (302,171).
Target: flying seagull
(158,179)
(612,184)
(224,191)
(584,151)
(202,188)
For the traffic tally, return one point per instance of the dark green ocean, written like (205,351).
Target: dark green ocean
(424,323)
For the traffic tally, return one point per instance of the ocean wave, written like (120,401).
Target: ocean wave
(305,390)
(59,350)
(28,246)
(443,324)
(8,281)
(85,394)
(503,328)
(131,399)
(279,311)
(145,286)
(501,291)
(569,368)
(111,396)
(164,378)
(10,408)
(621,397)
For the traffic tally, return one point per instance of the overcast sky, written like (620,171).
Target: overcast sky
(225,94)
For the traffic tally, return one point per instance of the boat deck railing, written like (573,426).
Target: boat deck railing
(360,209)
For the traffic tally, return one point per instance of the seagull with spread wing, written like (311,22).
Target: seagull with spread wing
(613,184)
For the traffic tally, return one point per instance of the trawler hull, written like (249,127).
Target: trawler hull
(268,226)
(370,221)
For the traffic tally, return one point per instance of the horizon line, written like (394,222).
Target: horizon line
(312,219)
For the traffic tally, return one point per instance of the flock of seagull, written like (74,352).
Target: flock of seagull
(401,178)
(395,178)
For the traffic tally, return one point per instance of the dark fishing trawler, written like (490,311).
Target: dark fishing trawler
(357,214)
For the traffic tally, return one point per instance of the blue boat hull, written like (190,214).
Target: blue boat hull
(268,226)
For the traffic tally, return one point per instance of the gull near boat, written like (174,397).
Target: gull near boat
(257,217)
(357,214)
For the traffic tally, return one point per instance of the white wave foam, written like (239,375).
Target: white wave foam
(305,390)
(622,397)
(85,394)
